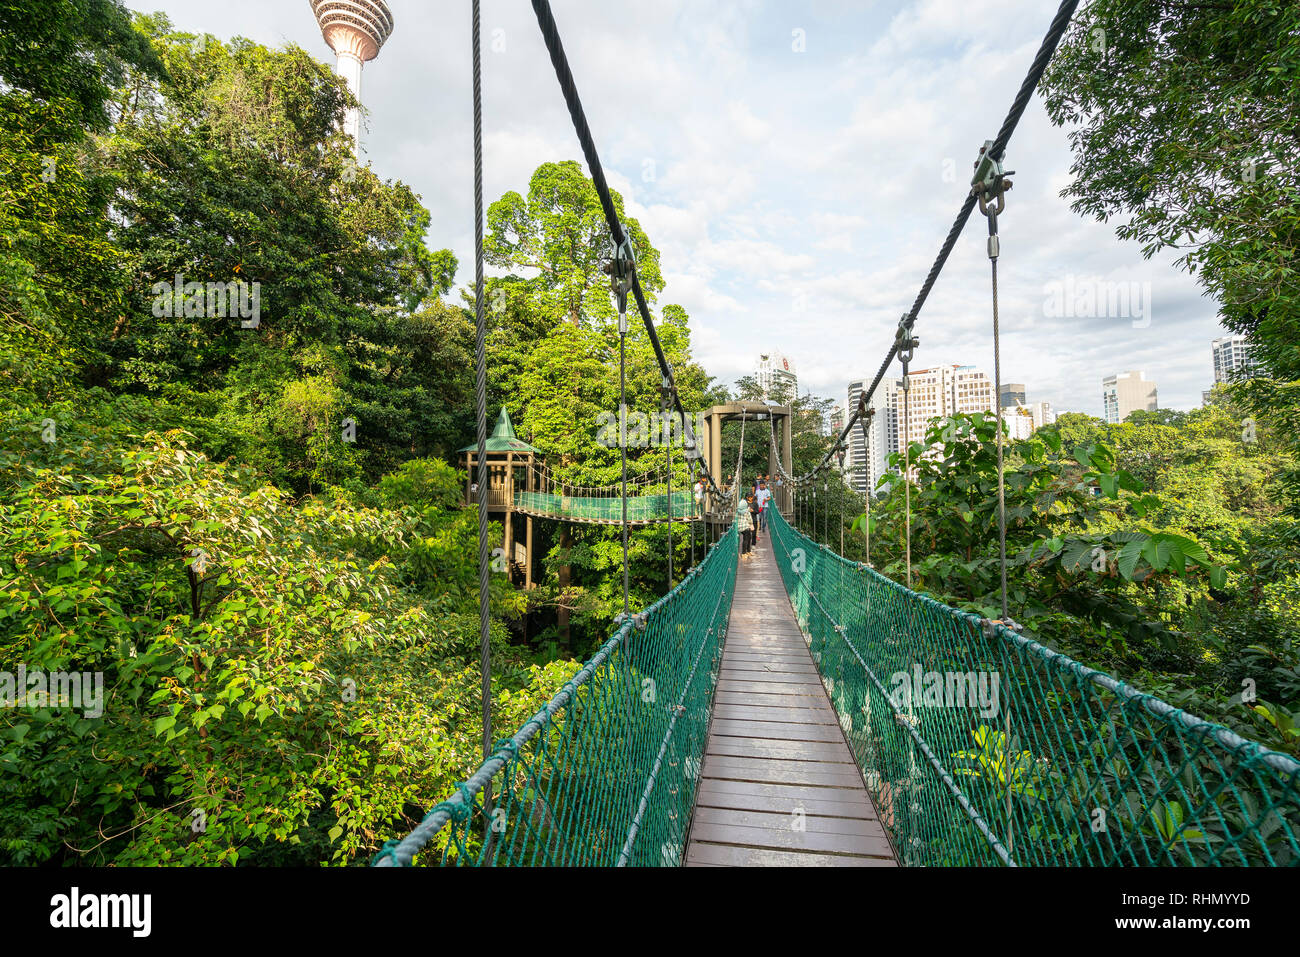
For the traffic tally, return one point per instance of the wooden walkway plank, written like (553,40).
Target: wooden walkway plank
(779,786)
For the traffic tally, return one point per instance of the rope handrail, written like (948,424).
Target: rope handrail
(678,505)
(555,47)
(573,795)
(1066,766)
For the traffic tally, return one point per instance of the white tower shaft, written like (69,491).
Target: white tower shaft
(349,67)
(355,30)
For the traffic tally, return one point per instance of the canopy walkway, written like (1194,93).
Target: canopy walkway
(975,745)
(845,718)
(779,785)
(607,509)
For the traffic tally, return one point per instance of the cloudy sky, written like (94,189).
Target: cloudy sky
(797,164)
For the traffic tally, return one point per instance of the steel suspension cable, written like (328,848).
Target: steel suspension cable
(996,152)
(866,499)
(668,457)
(622,444)
(997,388)
(907,476)
(480,389)
(866,523)
(555,47)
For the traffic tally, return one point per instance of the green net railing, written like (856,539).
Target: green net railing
(982,747)
(607,509)
(605,773)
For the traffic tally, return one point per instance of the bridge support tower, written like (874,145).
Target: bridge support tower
(759,419)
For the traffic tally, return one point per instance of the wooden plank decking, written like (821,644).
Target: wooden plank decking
(775,749)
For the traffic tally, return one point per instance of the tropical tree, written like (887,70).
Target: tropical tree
(1183,125)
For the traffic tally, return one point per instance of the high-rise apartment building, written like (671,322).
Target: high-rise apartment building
(871,443)
(1127,392)
(776,377)
(835,421)
(1042,414)
(936,392)
(1019,420)
(1231,354)
(1013,394)
(943,391)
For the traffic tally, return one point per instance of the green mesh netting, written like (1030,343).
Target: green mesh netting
(605,774)
(640,508)
(981,746)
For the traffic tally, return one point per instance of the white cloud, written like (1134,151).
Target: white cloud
(797,199)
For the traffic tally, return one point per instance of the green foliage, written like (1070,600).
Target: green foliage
(1149,555)
(71,51)
(1183,126)
(259,665)
(560,232)
(553,357)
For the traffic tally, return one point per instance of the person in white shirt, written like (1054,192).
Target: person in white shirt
(745,525)
(764,496)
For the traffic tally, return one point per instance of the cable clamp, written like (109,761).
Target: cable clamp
(667,389)
(905,342)
(990,626)
(990,183)
(621,271)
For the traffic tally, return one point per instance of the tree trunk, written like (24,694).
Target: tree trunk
(562,613)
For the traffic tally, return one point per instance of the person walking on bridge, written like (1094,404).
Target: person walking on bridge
(745,525)
(753,515)
(763,495)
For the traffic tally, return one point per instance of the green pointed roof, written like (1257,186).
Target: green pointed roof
(503,438)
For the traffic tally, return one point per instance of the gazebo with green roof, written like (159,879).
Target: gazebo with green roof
(505,453)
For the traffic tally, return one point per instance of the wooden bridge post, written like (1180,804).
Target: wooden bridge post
(508,491)
(787,433)
(528,531)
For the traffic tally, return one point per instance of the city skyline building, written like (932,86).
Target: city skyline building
(941,391)
(356,30)
(776,377)
(1042,414)
(1019,421)
(935,392)
(871,443)
(1231,354)
(835,421)
(1125,393)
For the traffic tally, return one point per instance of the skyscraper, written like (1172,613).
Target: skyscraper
(937,392)
(835,421)
(943,391)
(1231,353)
(777,378)
(1013,394)
(355,30)
(1127,392)
(871,446)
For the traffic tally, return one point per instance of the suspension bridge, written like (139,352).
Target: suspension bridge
(803,709)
